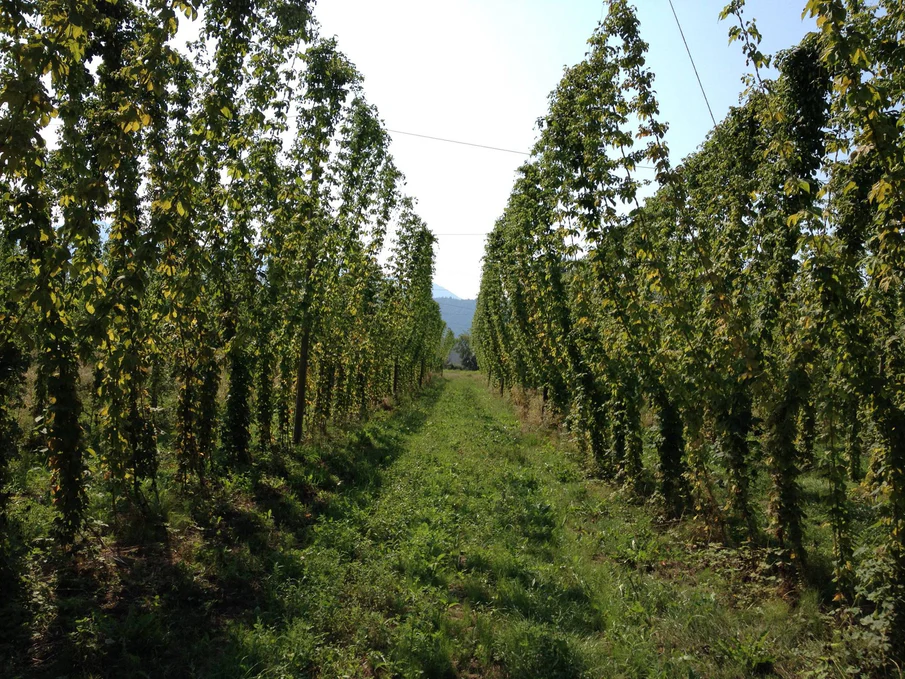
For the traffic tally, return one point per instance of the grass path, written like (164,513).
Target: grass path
(438,540)
(468,548)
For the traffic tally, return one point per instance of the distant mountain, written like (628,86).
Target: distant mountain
(457,313)
(440,291)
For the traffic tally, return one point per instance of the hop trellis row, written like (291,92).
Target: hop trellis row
(751,308)
(213,258)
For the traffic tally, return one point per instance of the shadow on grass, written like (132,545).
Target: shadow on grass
(157,596)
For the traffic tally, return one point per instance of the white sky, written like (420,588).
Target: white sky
(480,71)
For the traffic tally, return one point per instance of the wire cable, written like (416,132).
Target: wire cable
(693,66)
(463,143)
(481,146)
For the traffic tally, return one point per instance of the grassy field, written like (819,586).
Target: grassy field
(444,539)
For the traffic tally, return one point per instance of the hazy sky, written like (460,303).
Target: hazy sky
(480,71)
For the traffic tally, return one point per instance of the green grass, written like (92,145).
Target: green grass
(442,540)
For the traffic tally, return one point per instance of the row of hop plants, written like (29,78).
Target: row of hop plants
(205,250)
(748,302)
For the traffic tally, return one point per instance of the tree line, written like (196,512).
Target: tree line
(715,335)
(206,249)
